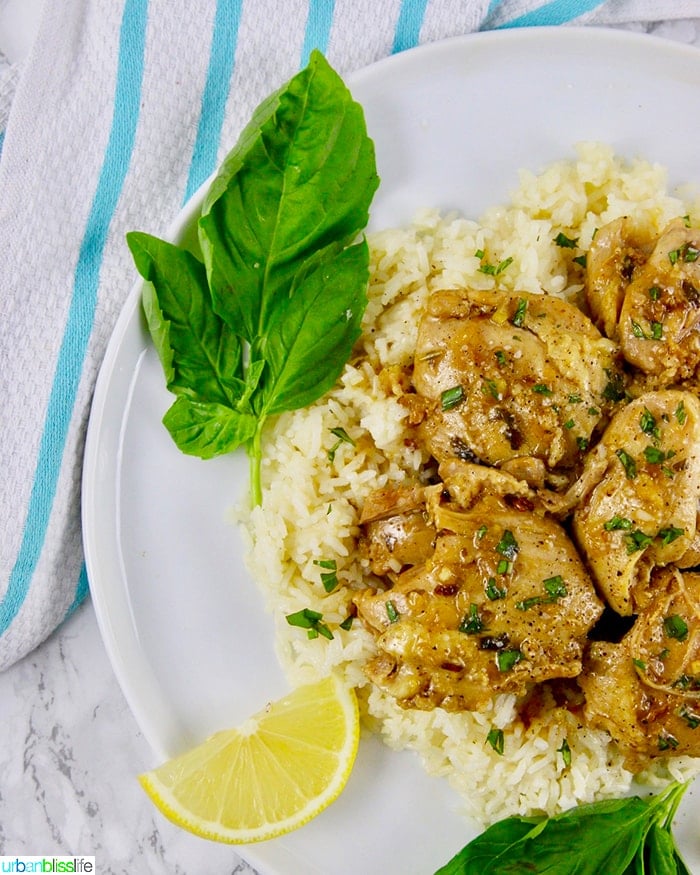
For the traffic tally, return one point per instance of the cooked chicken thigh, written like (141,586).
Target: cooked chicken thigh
(502,602)
(396,530)
(638,496)
(617,252)
(510,376)
(659,327)
(644,291)
(645,691)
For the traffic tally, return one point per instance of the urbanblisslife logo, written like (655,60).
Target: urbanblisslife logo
(47,864)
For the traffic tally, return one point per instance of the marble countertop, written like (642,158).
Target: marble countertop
(71,748)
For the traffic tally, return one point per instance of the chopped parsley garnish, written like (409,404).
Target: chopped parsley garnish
(654,455)
(326,563)
(493,591)
(687,682)
(391,611)
(555,588)
(508,546)
(565,752)
(667,742)
(481,531)
(647,423)
(680,413)
(637,540)
(343,438)
(669,534)
(495,269)
(472,623)
(628,463)
(566,242)
(526,604)
(675,627)
(508,659)
(686,253)
(489,387)
(654,293)
(637,330)
(519,316)
(692,718)
(452,397)
(501,357)
(496,739)
(502,265)
(542,389)
(329,577)
(617,522)
(615,388)
(311,621)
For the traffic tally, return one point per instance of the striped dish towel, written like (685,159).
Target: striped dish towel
(119,112)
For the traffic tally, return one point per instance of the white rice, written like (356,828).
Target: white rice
(309,511)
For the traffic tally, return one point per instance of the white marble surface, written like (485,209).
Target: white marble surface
(70,749)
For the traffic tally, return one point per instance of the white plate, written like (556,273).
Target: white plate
(182,621)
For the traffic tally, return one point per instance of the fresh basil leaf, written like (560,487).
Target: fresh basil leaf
(610,832)
(200,354)
(660,851)
(207,429)
(304,180)
(483,853)
(267,321)
(681,868)
(310,338)
(615,836)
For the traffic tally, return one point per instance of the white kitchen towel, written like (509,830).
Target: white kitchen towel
(121,109)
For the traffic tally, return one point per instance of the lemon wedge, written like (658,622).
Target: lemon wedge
(268,776)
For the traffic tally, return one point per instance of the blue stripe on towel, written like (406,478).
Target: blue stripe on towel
(556,12)
(318,28)
(216,89)
(407,33)
(69,365)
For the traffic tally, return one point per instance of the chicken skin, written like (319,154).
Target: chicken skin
(510,376)
(645,690)
(639,496)
(562,487)
(644,291)
(659,326)
(618,250)
(502,602)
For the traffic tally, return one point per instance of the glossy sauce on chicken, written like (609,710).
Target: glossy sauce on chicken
(567,451)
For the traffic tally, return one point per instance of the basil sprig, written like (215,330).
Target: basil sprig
(261,314)
(630,836)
